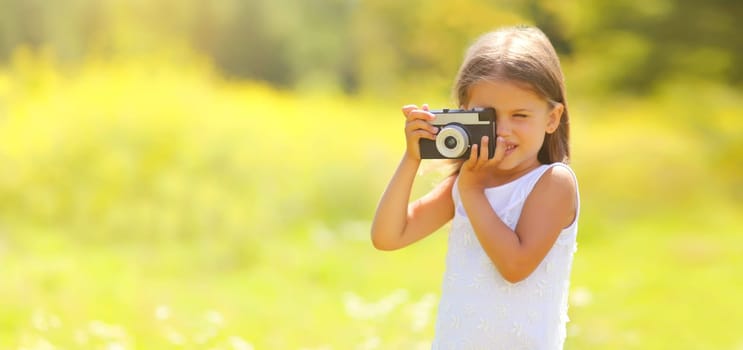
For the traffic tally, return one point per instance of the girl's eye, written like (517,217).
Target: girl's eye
(520,115)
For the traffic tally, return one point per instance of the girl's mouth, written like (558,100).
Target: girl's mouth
(509,149)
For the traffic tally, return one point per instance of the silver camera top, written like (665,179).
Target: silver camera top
(461,116)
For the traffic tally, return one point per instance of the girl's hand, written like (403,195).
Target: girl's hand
(417,126)
(475,170)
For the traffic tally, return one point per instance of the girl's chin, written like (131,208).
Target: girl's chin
(505,165)
(512,163)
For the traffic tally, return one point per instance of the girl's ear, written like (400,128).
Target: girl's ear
(553,120)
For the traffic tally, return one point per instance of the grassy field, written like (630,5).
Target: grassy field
(152,205)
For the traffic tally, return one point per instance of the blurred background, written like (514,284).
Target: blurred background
(202,174)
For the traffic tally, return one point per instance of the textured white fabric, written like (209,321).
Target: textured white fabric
(479,309)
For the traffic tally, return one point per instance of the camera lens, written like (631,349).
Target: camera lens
(450,142)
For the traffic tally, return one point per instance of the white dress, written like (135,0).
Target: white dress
(479,309)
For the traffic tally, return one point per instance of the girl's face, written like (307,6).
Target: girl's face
(522,119)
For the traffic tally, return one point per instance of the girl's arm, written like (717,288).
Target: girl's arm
(397,223)
(548,209)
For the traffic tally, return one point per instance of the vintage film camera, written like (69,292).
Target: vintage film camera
(459,129)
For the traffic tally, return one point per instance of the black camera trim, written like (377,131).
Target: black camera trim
(477,122)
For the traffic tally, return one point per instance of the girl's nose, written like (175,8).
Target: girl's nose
(502,128)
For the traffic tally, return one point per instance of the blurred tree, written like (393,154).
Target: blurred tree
(323,55)
(386,46)
(21,23)
(548,22)
(632,45)
(420,44)
(246,45)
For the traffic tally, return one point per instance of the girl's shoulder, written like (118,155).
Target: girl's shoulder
(557,177)
(557,187)
(560,172)
(556,174)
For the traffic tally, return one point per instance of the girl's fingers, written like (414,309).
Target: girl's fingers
(407,109)
(484,156)
(417,124)
(500,149)
(420,114)
(413,112)
(424,134)
(473,156)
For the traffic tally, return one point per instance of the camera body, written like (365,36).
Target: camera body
(459,129)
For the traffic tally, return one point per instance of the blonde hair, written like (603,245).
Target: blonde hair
(522,55)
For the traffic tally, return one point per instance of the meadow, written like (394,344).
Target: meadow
(149,203)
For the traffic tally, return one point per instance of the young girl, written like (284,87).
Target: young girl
(515,215)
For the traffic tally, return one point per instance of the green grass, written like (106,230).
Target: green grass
(643,288)
(153,206)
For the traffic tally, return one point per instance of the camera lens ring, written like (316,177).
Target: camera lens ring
(461,141)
